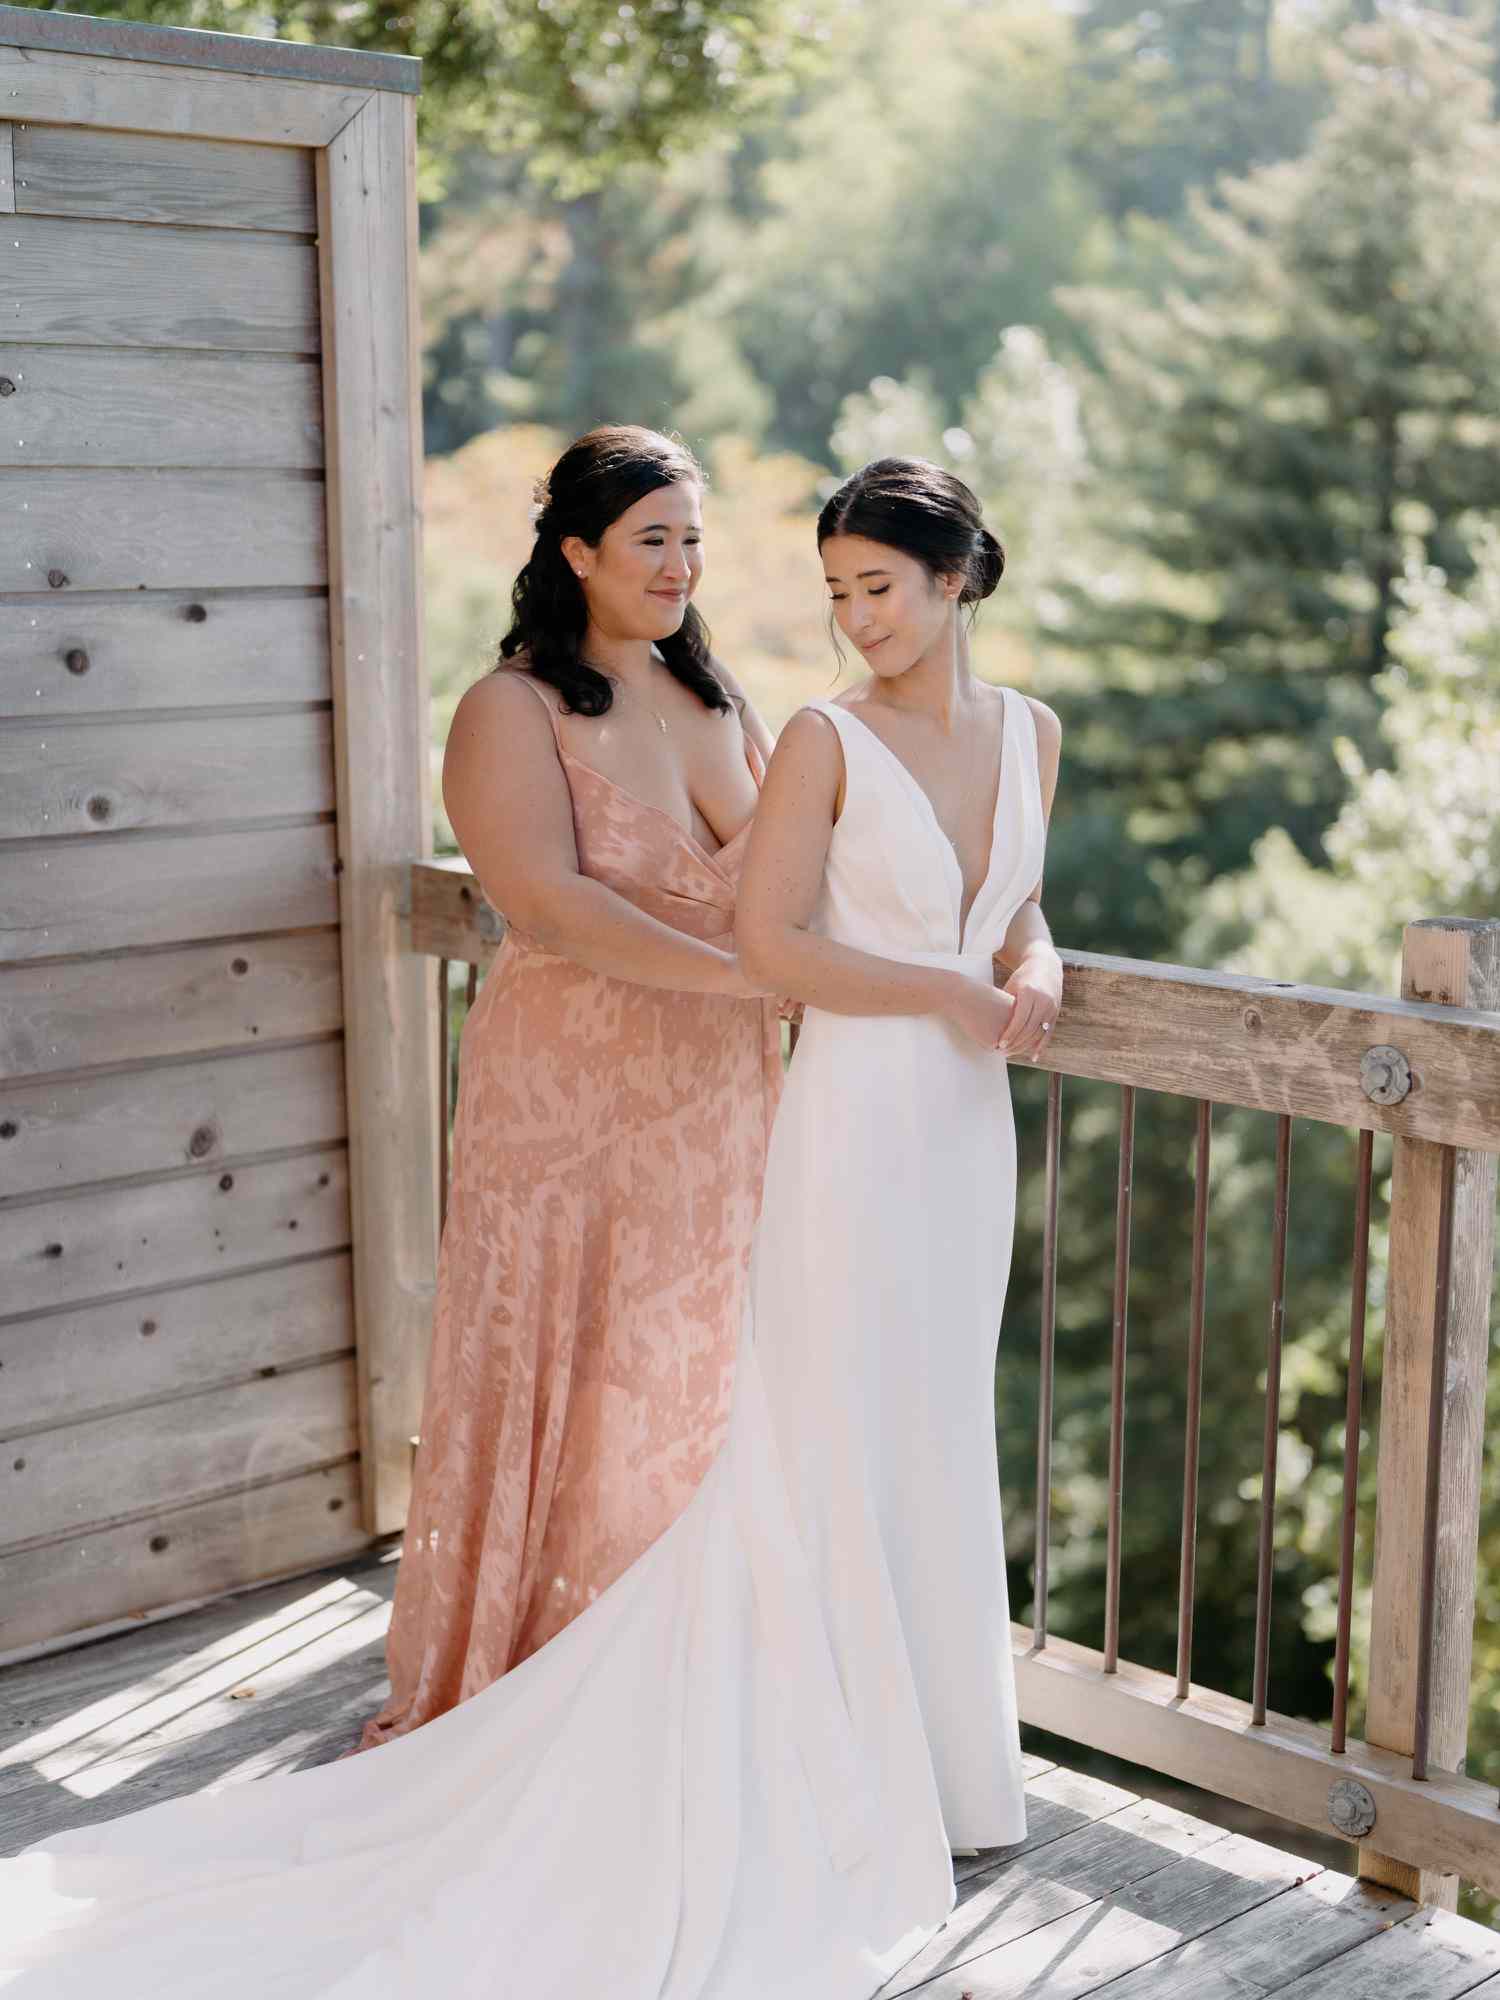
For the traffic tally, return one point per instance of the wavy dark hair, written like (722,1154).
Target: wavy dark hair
(927,513)
(591,485)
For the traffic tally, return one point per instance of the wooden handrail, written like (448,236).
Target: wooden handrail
(1225,1036)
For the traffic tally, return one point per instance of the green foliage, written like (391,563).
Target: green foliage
(1169,97)
(918,201)
(1319,381)
(582,88)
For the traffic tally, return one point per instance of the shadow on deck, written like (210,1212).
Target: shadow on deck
(1110,1891)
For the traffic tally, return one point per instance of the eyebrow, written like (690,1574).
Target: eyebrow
(665,528)
(859,575)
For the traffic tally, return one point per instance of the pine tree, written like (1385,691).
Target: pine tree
(1319,384)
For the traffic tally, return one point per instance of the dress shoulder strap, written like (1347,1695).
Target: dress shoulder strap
(1019,716)
(522,675)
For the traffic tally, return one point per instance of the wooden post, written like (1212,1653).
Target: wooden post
(1454,962)
(372,388)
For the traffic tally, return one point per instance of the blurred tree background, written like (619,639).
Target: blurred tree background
(1203,297)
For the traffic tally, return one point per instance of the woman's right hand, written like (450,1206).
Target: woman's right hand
(978,1010)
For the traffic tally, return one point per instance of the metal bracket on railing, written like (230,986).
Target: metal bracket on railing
(1351,1808)
(1384,1074)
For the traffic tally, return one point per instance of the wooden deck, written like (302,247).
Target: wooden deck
(1109,1892)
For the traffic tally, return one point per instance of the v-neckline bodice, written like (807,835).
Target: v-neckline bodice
(929,810)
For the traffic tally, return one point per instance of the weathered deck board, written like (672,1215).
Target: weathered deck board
(145,177)
(60,1367)
(124,284)
(107,407)
(173,1002)
(163,773)
(1108,1894)
(137,1461)
(101,529)
(178,1556)
(111,1239)
(173,888)
(84,1130)
(109,653)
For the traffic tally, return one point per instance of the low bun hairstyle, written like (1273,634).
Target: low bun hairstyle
(590,487)
(927,513)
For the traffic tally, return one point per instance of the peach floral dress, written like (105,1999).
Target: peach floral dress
(609,1145)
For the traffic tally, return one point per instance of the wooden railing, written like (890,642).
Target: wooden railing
(1424,1069)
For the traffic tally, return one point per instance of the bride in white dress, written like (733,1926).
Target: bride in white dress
(738,1775)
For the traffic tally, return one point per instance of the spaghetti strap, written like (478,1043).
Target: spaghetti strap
(523,675)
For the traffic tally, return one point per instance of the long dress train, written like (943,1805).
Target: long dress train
(737,1773)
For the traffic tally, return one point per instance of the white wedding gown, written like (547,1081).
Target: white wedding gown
(738,1774)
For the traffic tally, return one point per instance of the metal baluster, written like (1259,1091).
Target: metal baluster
(1049,1344)
(1274,1334)
(1188,1567)
(1117,1379)
(1422,1728)
(1353,1408)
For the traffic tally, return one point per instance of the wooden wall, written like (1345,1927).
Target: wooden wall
(178,1390)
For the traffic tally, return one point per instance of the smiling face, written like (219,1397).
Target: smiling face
(891,606)
(639,578)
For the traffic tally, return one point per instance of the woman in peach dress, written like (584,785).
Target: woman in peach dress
(617,1083)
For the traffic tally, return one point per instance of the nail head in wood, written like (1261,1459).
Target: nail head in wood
(57,578)
(76,660)
(7,387)
(1384,1074)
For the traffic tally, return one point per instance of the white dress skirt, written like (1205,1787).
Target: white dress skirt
(739,1773)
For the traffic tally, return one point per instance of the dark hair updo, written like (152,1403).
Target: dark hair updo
(590,487)
(927,513)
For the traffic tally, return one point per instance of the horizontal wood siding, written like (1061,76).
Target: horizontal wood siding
(179,1001)
(139,177)
(135,889)
(102,1125)
(141,1460)
(86,656)
(177,1314)
(91,1244)
(178,1555)
(105,777)
(118,530)
(98,406)
(116,284)
(87,1360)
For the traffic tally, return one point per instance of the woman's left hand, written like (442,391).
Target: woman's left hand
(1036,987)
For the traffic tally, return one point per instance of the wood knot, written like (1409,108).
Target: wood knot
(159,1544)
(239,967)
(1252,1020)
(99,808)
(203,1141)
(8,1129)
(76,660)
(7,387)
(53,1250)
(195,613)
(148,1327)
(226,1182)
(57,579)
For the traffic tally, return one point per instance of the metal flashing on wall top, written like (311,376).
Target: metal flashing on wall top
(195,48)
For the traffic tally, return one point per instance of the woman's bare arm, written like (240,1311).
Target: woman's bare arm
(507,797)
(779,887)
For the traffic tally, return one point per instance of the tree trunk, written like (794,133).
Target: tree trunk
(581,301)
